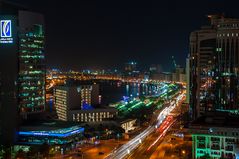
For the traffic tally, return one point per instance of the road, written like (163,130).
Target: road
(149,145)
(99,151)
(126,150)
(159,145)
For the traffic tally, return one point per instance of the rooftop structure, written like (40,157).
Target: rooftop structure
(56,132)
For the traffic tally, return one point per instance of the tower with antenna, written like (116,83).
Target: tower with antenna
(174,63)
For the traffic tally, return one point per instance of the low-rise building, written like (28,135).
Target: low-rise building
(92,115)
(128,124)
(50,132)
(215,135)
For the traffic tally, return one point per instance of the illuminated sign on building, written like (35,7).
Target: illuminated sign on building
(6,31)
(6,28)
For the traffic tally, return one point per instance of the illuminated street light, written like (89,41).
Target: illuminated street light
(128,151)
(183,152)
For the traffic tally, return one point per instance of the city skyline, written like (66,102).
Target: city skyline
(107,34)
(119,80)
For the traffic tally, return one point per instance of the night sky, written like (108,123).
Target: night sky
(82,34)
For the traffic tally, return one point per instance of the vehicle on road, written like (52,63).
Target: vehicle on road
(101,153)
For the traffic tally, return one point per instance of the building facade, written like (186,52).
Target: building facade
(54,133)
(202,47)
(213,64)
(227,65)
(65,99)
(22,84)
(179,74)
(216,146)
(163,76)
(93,115)
(128,125)
(89,94)
(74,97)
(130,69)
(32,69)
(187,81)
(215,136)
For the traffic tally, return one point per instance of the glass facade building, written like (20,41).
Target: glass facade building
(32,70)
(213,66)
(227,65)
(22,67)
(53,132)
(55,136)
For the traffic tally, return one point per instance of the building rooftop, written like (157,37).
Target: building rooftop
(108,109)
(217,119)
(50,127)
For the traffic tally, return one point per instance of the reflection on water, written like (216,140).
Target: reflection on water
(114,91)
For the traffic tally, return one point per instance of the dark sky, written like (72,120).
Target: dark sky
(107,33)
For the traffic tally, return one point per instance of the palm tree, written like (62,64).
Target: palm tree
(20,154)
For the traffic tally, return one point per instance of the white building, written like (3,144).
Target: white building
(73,97)
(128,124)
(93,115)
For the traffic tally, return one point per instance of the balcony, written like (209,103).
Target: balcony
(216,147)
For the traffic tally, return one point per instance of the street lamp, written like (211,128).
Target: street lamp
(118,135)
(183,152)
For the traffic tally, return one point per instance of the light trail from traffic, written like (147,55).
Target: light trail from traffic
(165,127)
(127,148)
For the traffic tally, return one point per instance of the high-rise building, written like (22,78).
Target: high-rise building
(92,115)
(155,68)
(8,76)
(74,97)
(31,63)
(62,102)
(202,50)
(179,74)
(227,65)
(130,69)
(22,77)
(73,103)
(130,66)
(214,66)
(187,81)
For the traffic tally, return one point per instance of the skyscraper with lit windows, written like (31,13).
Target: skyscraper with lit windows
(77,96)
(31,63)
(22,68)
(214,65)
(202,48)
(227,65)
